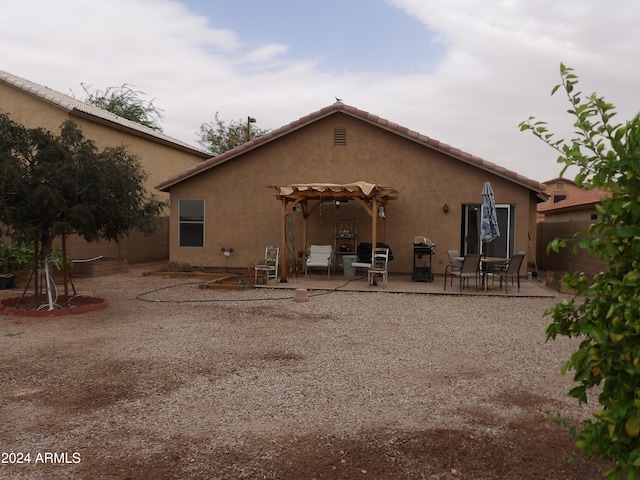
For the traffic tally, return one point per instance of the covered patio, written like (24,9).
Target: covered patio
(373,199)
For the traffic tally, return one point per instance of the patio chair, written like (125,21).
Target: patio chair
(379,265)
(512,271)
(470,268)
(270,265)
(454,262)
(319,256)
(497,267)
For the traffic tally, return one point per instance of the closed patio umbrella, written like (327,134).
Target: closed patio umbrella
(489,229)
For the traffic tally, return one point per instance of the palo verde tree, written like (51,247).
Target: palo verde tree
(56,185)
(218,137)
(605,311)
(126,103)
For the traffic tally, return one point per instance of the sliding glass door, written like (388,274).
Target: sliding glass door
(500,247)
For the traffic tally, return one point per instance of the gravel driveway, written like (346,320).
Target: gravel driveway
(203,384)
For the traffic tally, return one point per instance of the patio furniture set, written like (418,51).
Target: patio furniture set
(481,268)
(475,266)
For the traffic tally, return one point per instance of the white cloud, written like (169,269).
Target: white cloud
(500,62)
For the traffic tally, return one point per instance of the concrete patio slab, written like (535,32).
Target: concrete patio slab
(402,283)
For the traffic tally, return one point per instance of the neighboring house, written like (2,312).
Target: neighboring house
(579,206)
(35,106)
(228,201)
(563,219)
(558,189)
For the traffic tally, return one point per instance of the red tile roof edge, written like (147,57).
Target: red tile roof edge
(582,199)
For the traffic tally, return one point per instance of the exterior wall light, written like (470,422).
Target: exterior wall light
(445,208)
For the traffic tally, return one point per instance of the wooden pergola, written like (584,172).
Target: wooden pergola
(373,198)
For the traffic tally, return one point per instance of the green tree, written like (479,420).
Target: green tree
(218,137)
(126,103)
(605,311)
(52,185)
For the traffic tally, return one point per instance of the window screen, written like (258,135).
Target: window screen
(191,223)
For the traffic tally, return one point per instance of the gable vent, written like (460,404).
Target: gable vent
(340,136)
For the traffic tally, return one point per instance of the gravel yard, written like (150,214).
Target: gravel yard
(202,384)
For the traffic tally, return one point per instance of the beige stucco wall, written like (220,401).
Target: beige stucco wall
(159,160)
(242,213)
(578,214)
(558,187)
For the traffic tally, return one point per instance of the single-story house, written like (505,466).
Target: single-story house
(36,106)
(226,210)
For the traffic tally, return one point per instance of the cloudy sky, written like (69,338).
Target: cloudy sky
(461,71)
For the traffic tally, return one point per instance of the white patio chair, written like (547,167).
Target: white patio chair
(319,256)
(270,265)
(379,265)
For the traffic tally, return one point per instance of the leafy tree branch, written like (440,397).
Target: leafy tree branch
(218,136)
(605,311)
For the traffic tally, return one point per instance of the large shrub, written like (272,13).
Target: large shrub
(605,312)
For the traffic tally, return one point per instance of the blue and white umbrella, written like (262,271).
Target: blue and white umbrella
(489,229)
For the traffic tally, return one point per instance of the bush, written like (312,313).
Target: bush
(19,256)
(15,257)
(605,312)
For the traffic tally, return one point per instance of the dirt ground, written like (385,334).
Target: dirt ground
(119,394)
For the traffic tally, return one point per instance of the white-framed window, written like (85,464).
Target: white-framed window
(191,223)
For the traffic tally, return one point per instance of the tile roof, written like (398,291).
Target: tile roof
(73,105)
(575,201)
(559,179)
(490,167)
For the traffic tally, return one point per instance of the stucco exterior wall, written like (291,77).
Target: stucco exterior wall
(584,214)
(557,187)
(159,160)
(242,213)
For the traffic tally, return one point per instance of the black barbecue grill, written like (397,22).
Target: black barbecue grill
(423,250)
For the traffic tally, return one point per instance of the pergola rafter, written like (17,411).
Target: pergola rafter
(311,195)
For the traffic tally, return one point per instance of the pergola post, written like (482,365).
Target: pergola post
(283,242)
(374,227)
(305,235)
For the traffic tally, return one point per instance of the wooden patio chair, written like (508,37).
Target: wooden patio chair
(379,265)
(270,265)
